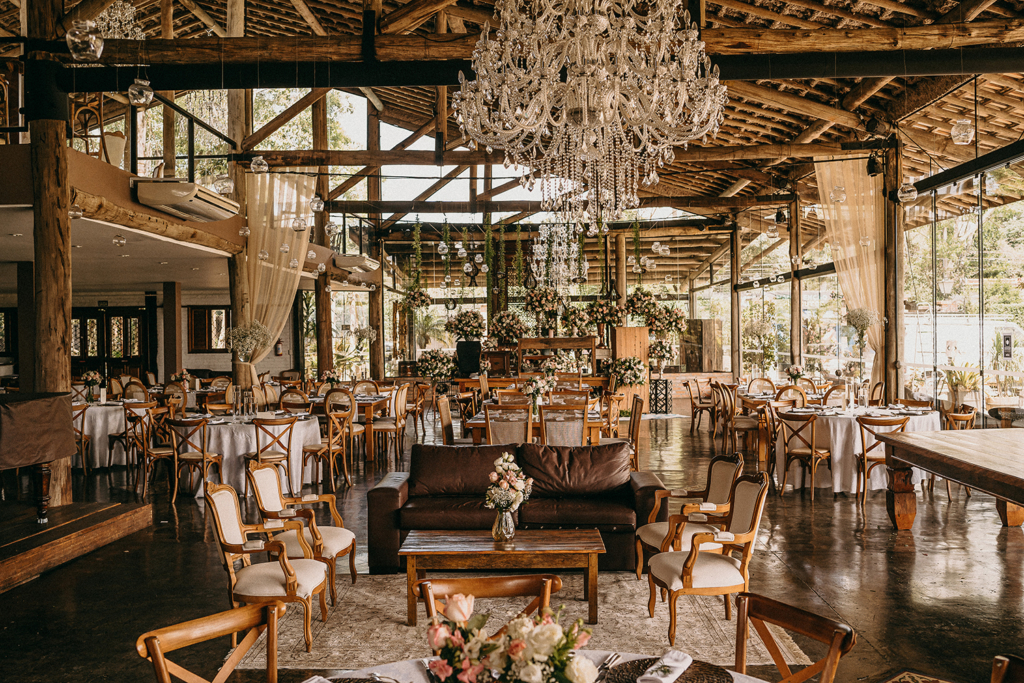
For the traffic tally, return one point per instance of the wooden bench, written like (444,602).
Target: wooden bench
(988,460)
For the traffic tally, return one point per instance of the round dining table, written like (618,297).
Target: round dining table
(101,420)
(838,431)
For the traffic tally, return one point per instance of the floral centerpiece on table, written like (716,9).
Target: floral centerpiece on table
(795,372)
(415,299)
(543,303)
(604,312)
(660,349)
(507,328)
(577,319)
(466,655)
(535,387)
(181,376)
(628,371)
(485,366)
(436,364)
(465,324)
(641,304)
(332,377)
(91,378)
(551,365)
(509,489)
(248,338)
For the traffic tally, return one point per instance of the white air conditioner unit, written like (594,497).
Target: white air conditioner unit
(356,263)
(183,199)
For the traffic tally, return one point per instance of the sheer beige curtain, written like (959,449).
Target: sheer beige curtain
(275,200)
(855,229)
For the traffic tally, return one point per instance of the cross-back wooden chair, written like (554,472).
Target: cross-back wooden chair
(444,413)
(365,387)
(563,425)
(774,426)
(295,401)
(611,411)
(284,580)
(189,440)
(759,611)
(82,440)
(807,384)
(793,393)
(913,403)
(273,444)
(418,405)
(538,586)
(136,391)
(511,397)
(509,424)
(568,381)
(797,427)
(835,396)
(713,499)
(956,418)
(749,422)
(254,619)
(328,543)
(877,394)
(392,428)
(636,416)
(761,385)
(569,396)
(140,430)
(1007,669)
(78,392)
(333,444)
(873,426)
(698,404)
(699,572)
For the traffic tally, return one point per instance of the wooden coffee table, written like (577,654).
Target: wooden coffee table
(531,549)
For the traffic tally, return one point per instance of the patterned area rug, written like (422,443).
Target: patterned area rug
(914,677)
(368,625)
(661,416)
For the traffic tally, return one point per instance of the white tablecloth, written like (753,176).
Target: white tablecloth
(841,435)
(234,440)
(100,422)
(411,670)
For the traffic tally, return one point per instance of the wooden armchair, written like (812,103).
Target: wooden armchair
(761,385)
(256,619)
(699,572)
(1007,669)
(792,393)
(337,416)
(327,542)
(444,412)
(675,534)
(759,611)
(268,582)
(539,586)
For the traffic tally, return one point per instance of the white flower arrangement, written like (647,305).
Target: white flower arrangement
(485,366)
(248,338)
(795,372)
(365,334)
(629,371)
(509,487)
(181,376)
(578,319)
(466,324)
(759,327)
(660,350)
(506,328)
(861,319)
(538,386)
(542,301)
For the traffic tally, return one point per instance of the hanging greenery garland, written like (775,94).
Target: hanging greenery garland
(488,261)
(519,256)
(502,291)
(636,252)
(417,251)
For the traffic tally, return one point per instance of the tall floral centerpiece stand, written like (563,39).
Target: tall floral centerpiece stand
(438,367)
(543,303)
(860,319)
(660,351)
(509,489)
(467,326)
(605,314)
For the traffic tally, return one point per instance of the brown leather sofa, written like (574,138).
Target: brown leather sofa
(574,488)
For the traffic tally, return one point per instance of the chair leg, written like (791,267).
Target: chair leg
(949,492)
(672,596)
(653,598)
(728,607)
(785,477)
(639,559)
(307,622)
(814,471)
(331,569)
(323,606)
(352,562)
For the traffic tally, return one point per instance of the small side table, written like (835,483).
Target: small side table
(661,396)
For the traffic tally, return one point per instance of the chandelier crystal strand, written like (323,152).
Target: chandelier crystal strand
(637,84)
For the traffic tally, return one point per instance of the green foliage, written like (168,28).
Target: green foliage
(428,326)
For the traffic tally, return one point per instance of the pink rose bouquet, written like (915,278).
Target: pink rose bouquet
(466,655)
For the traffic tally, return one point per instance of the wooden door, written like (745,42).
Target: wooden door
(108,340)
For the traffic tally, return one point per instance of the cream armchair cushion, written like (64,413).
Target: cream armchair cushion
(267,579)
(709,571)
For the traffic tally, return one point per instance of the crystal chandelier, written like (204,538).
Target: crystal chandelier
(556,257)
(119,21)
(590,97)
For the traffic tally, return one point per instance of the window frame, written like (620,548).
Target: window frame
(206,310)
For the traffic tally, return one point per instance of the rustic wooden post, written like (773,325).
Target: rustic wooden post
(322,301)
(621,286)
(691,299)
(26,326)
(893,278)
(736,249)
(796,289)
(47,115)
(167,31)
(373,188)
(172,329)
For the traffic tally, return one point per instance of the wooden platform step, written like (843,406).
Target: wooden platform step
(27,549)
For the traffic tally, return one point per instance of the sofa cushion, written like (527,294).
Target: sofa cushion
(450,471)
(446,513)
(602,513)
(575,470)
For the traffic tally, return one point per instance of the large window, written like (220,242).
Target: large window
(207,329)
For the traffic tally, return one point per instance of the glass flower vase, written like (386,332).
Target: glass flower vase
(504,529)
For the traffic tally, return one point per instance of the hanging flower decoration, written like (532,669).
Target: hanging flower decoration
(665,320)
(507,328)
(436,364)
(248,338)
(861,319)
(660,350)
(465,324)
(542,301)
(641,304)
(578,319)
(416,299)
(604,313)
(629,371)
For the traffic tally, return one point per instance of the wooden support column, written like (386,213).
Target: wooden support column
(48,123)
(172,329)
(692,299)
(796,318)
(167,31)
(322,299)
(735,249)
(26,326)
(238,286)
(620,270)
(376,316)
(893,279)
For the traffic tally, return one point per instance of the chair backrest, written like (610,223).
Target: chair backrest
(227,516)
(220,383)
(760,611)
(912,403)
(78,392)
(509,424)
(444,411)
(485,387)
(397,402)
(538,586)
(116,388)
(340,401)
(295,401)
(256,619)
(1007,669)
(125,379)
(835,396)
(794,393)
(291,375)
(323,387)
(220,408)
(175,389)
(563,425)
(150,378)
(877,392)
(798,426)
(366,388)
(874,426)
(511,397)
(188,436)
(569,396)
(748,494)
(761,385)
(722,473)
(959,419)
(807,384)
(275,434)
(636,414)
(135,390)
(569,381)
(78,418)
(265,479)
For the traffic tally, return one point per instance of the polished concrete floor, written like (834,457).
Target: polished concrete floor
(942,599)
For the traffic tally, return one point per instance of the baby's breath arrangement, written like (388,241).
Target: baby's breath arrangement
(248,338)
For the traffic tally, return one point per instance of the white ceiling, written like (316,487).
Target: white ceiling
(144,263)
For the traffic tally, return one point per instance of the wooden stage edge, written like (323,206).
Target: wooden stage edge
(28,549)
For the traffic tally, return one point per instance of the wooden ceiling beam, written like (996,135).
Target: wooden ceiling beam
(199,14)
(412,15)
(299,106)
(405,206)
(307,15)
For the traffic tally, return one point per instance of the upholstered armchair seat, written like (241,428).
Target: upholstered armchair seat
(335,539)
(654,535)
(709,571)
(267,580)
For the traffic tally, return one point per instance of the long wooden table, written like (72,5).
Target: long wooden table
(530,549)
(989,460)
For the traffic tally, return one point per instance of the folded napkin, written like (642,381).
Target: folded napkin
(671,666)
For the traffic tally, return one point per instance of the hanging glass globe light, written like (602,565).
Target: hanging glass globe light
(442,248)
(865,241)
(757,284)
(485,269)
(467,268)
(75,211)
(462,253)
(838,194)
(772,232)
(604,229)
(637,269)
(651,265)
(119,241)
(316,204)
(656,247)
(795,260)
(244,231)
(223,184)
(907,192)
(458,246)
(444,285)
(331,229)
(447,278)
(630,260)
(457,283)
(299,224)
(962,132)
(259,165)
(84,41)
(263,255)
(479,258)
(321,267)
(311,255)
(293,264)
(373,287)
(139,93)
(284,248)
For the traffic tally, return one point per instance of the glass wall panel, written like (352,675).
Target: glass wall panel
(821,304)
